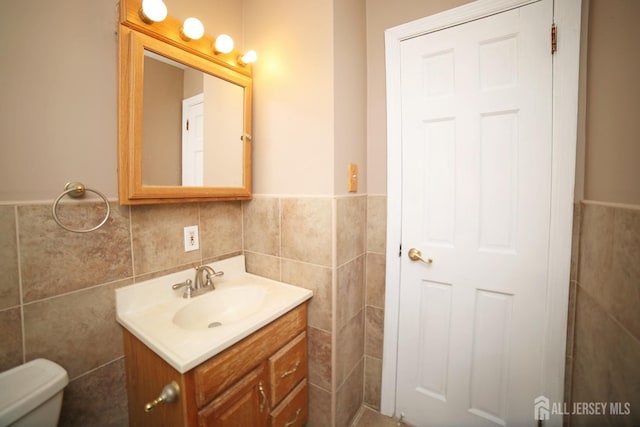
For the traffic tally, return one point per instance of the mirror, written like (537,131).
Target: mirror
(190,119)
(184,121)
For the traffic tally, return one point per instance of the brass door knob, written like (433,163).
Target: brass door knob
(416,255)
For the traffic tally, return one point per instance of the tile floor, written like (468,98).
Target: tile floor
(368,417)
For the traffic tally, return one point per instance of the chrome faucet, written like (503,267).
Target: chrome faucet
(202,282)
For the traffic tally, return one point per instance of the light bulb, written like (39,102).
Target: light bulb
(153,11)
(224,44)
(192,29)
(249,57)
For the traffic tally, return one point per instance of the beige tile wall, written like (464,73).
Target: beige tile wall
(57,299)
(603,345)
(57,295)
(320,243)
(291,240)
(374,301)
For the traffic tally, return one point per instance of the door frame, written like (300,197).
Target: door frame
(565,64)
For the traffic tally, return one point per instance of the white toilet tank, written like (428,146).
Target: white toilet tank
(31,394)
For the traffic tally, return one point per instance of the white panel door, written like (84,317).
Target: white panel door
(476,153)
(193,141)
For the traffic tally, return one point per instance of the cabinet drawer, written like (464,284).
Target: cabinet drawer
(293,411)
(287,367)
(220,372)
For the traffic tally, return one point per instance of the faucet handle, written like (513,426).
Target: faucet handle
(210,274)
(187,288)
(186,283)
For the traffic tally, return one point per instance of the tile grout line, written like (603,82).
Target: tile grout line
(21,297)
(334,311)
(133,261)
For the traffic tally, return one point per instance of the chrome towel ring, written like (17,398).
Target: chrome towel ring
(76,190)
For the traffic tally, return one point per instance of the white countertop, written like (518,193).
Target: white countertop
(147,310)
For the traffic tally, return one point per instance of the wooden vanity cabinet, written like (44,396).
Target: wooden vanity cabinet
(260,381)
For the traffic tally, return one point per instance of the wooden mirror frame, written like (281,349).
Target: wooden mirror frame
(134,36)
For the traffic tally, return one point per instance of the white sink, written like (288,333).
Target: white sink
(221,307)
(186,332)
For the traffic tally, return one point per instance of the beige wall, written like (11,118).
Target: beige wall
(613,102)
(310,94)
(223,130)
(293,124)
(58,109)
(162,123)
(350,48)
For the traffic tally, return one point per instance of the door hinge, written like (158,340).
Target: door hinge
(400,251)
(554,39)
(187,124)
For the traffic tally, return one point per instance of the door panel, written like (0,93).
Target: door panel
(476,149)
(193,141)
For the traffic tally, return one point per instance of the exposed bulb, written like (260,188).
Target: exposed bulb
(153,11)
(192,29)
(249,57)
(224,44)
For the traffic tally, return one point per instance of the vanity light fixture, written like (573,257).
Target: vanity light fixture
(192,29)
(152,11)
(248,58)
(223,44)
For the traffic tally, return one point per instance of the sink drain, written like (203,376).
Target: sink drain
(214,324)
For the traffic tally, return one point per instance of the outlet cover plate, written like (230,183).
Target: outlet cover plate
(191,240)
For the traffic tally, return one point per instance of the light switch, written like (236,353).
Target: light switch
(352,183)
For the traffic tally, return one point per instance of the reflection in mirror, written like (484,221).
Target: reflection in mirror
(192,126)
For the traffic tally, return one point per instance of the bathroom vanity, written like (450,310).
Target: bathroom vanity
(261,381)
(249,369)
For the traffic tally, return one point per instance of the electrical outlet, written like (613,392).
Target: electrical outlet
(191,242)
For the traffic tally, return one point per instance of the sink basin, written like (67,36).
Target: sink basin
(186,332)
(221,307)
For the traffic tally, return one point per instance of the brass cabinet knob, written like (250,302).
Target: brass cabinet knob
(169,393)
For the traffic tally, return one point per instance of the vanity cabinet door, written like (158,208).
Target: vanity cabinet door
(287,367)
(243,404)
